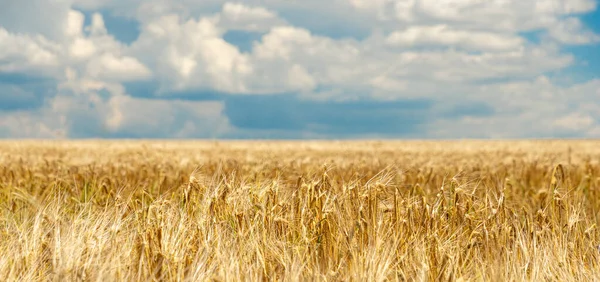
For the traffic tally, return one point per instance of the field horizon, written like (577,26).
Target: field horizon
(297,210)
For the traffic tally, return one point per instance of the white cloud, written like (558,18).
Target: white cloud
(97,27)
(49,19)
(351,64)
(562,7)
(240,12)
(191,54)
(178,118)
(572,31)
(447,51)
(279,42)
(382,7)
(111,68)
(27,53)
(575,122)
(444,35)
(24,124)
(536,108)
(74,25)
(82,48)
(97,53)
(241,17)
(81,110)
(503,16)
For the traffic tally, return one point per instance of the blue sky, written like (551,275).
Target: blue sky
(300,70)
(588,55)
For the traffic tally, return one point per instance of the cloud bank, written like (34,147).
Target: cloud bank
(288,69)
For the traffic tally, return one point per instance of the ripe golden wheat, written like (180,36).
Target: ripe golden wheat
(298,211)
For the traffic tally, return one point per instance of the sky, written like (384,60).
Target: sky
(291,69)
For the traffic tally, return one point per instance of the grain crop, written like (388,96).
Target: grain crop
(299,211)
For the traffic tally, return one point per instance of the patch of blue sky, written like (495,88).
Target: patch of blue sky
(125,30)
(243,40)
(587,64)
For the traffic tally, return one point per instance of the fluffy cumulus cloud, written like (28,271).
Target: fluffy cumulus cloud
(289,69)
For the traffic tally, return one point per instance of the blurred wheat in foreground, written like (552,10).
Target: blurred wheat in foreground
(299,211)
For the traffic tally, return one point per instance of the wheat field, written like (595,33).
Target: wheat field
(299,211)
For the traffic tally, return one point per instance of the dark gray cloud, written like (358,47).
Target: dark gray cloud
(150,89)
(288,116)
(473,109)
(23,92)
(337,119)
